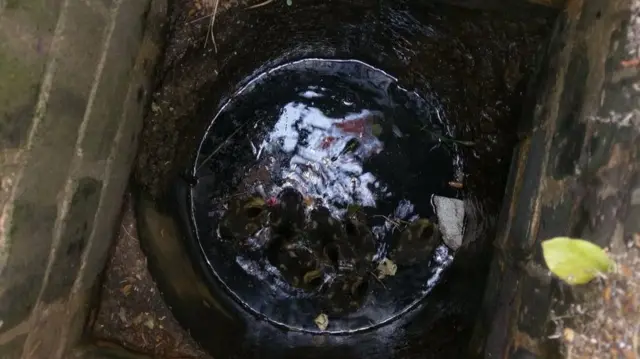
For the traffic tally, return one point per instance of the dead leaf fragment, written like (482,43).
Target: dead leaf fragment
(456,185)
(126,290)
(322,321)
(606,294)
(149,323)
(386,268)
(568,335)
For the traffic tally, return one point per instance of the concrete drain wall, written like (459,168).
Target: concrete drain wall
(74,79)
(74,76)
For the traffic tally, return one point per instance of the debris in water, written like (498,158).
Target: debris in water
(456,185)
(386,268)
(322,321)
(451,214)
(376,129)
(355,126)
(309,201)
(272,201)
(327,141)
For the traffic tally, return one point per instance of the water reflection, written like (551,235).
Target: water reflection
(327,155)
(341,142)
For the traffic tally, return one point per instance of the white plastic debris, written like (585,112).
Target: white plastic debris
(450,213)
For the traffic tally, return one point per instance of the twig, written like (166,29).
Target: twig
(126,231)
(378,280)
(395,222)
(200,18)
(634,341)
(210,32)
(267,2)
(220,146)
(445,138)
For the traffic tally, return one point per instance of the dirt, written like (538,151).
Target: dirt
(604,321)
(132,312)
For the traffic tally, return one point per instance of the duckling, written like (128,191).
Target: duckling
(346,293)
(243,218)
(323,228)
(300,266)
(416,242)
(359,235)
(288,215)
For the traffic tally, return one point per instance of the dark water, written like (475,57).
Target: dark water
(344,135)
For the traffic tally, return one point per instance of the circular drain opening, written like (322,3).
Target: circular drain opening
(313,180)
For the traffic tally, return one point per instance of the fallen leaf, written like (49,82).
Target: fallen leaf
(575,261)
(126,290)
(386,268)
(322,321)
(272,201)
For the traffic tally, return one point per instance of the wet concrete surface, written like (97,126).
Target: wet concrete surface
(131,311)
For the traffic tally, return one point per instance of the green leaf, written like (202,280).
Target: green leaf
(376,129)
(575,261)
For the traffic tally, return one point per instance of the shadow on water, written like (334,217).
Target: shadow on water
(401,112)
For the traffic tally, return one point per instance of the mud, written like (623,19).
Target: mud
(131,312)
